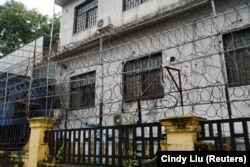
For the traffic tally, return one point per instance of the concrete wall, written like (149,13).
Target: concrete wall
(112,9)
(21,55)
(194,38)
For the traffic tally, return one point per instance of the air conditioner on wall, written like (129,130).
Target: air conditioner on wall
(104,23)
(123,119)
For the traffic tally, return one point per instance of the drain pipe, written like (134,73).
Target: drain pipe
(231,124)
(101,103)
(48,67)
(102,77)
(213,8)
(4,118)
(30,83)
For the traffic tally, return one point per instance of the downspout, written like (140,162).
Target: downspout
(213,8)
(30,83)
(231,125)
(5,98)
(101,100)
(102,78)
(48,66)
(66,109)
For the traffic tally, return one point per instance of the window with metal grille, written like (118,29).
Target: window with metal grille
(143,78)
(237,56)
(83,90)
(85,15)
(127,4)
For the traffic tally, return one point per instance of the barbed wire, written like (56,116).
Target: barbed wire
(194,38)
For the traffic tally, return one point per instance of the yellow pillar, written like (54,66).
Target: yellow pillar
(38,150)
(181,132)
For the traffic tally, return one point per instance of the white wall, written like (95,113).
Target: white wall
(112,9)
(198,49)
(18,59)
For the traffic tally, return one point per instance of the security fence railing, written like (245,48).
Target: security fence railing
(105,145)
(14,135)
(227,134)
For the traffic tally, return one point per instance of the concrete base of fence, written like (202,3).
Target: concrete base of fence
(181,132)
(38,150)
(13,158)
(43,164)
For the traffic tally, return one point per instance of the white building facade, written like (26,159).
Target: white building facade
(22,55)
(126,61)
(23,60)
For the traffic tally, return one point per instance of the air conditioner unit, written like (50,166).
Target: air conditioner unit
(123,119)
(104,23)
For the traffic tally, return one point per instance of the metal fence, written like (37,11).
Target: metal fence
(106,146)
(6,161)
(227,134)
(15,135)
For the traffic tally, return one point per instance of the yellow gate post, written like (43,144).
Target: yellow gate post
(181,132)
(38,150)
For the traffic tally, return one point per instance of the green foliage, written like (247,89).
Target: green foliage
(18,25)
(132,160)
(59,155)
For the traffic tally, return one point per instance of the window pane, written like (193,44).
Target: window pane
(75,98)
(81,23)
(83,90)
(237,67)
(127,4)
(86,15)
(236,45)
(142,78)
(237,39)
(92,17)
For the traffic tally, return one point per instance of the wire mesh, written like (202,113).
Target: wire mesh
(194,39)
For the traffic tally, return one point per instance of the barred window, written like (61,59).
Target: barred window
(143,78)
(85,15)
(83,90)
(127,4)
(237,56)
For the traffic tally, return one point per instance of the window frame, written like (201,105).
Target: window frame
(236,56)
(145,75)
(89,81)
(129,4)
(85,21)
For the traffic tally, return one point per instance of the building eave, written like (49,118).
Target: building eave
(61,2)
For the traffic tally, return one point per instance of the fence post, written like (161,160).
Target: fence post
(181,132)
(38,150)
